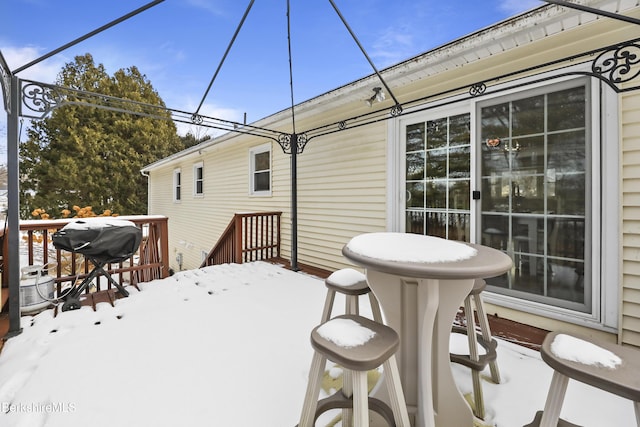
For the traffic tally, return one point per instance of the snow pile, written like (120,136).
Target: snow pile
(97,223)
(345,333)
(407,247)
(346,277)
(581,351)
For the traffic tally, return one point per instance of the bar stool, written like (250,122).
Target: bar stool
(474,360)
(614,370)
(352,284)
(358,344)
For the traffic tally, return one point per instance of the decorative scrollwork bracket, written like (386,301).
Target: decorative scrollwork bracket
(396,110)
(615,65)
(197,119)
(477,89)
(40,99)
(286,142)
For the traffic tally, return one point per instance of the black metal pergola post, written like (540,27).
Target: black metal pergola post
(12,234)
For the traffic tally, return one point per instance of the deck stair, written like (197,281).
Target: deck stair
(248,237)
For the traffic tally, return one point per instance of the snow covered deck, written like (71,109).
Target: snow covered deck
(201,347)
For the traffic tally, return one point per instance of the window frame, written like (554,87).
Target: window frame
(177,185)
(198,192)
(253,152)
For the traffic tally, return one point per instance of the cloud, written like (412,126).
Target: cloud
(45,71)
(211,6)
(392,46)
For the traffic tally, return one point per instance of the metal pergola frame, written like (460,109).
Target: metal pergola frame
(35,100)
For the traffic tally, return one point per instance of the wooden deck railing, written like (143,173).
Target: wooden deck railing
(248,237)
(150,262)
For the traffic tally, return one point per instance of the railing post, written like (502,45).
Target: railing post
(279,236)
(5,251)
(164,247)
(237,256)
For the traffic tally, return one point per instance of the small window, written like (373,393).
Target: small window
(177,185)
(261,170)
(198,179)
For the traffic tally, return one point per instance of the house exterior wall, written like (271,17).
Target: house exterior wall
(630,276)
(196,222)
(347,179)
(341,193)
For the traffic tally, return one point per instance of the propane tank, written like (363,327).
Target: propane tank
(37,289)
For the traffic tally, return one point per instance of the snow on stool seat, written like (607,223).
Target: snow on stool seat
(609,367)
(352,284)
(358,345)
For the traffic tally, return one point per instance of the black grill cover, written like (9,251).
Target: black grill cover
(105,241)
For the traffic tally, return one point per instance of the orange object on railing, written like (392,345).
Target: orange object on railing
(150,262)
(248,237)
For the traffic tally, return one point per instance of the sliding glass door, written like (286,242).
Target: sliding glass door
(531,176)
(534,193)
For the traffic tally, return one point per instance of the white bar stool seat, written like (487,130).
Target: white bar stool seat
(352,284)
(357,344)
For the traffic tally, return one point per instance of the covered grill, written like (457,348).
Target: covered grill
(101,241)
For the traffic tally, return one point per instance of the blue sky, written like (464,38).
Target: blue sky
(178,44)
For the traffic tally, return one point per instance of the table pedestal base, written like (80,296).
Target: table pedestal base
(422,312)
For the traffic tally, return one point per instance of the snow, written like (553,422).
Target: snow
(459,344)
(581,351)
(345,333)
(223,346)
(346,277)
(97,223)
(407,247)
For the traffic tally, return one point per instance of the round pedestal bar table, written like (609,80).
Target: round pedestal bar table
(421,282)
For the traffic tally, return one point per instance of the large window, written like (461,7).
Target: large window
(260,158)
(438,177)
(535,193)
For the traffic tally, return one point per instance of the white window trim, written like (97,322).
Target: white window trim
(252,153)
(196,166)
(177,172)
(604,175)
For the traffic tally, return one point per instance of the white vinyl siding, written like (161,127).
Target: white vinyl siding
(630,136)
(341,193)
